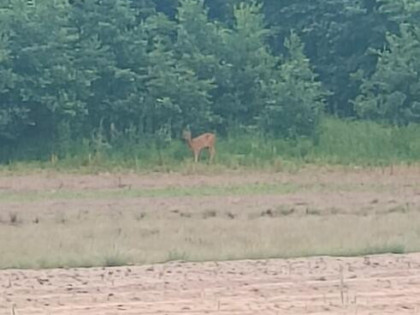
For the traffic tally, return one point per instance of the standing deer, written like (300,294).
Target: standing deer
(206,140)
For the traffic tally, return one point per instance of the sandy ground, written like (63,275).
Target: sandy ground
(397,176)
(370,285)
(385,284)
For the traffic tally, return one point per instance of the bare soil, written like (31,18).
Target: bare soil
(50,221)
(371,285)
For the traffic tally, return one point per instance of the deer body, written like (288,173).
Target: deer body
(197,144)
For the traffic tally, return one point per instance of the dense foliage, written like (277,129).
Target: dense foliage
(112,71)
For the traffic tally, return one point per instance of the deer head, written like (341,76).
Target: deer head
(186,135)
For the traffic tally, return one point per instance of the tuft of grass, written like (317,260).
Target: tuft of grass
(209,214)
(115,260)
(13,218)
(140,216)
(373,250)
(176,255)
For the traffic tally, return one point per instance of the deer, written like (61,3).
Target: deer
(197,144)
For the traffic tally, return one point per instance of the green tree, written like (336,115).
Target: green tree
(12,112)
(43,72)
(401,11)
(110,53)
(295,99)
(176,97)
(198,46)
(245,62)
(337,35)
(392,93)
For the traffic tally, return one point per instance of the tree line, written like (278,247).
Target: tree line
(106,70)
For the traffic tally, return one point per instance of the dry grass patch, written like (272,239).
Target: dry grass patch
(277,215)
(107,241)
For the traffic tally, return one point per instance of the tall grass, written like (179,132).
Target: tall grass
(339,142)
(362,142)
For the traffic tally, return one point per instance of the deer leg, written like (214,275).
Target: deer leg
(212,152)
(196,154)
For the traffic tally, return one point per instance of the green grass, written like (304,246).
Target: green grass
(340,142)
(367,143)
(198,191)
(179,191)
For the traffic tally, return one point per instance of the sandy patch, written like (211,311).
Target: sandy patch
(370,285)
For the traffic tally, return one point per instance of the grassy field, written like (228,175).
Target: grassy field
(54,219)
(353,189)
(338,142)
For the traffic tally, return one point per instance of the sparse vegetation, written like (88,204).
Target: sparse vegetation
(209,214)
(256,215)
(114,260)
(13,218)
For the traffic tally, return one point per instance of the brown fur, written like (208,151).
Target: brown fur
(204,141)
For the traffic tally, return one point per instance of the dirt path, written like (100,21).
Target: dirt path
(371,285)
